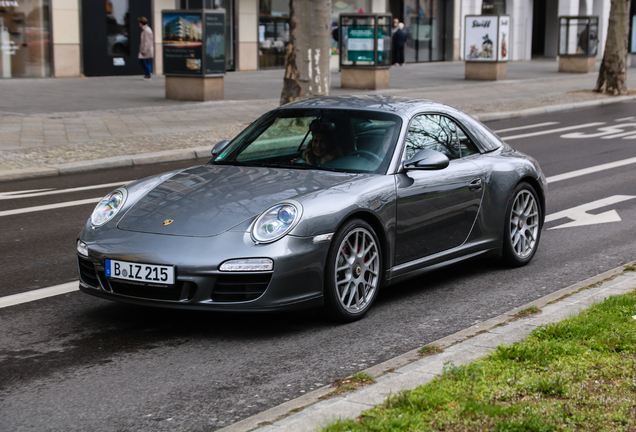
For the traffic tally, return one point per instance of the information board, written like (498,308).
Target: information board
(214,43)
(360,44)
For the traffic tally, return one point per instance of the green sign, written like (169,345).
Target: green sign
(360,44)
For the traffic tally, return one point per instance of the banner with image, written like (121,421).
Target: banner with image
(182,43)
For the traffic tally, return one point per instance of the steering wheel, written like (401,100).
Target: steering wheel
(367,155)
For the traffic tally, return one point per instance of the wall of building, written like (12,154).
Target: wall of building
(247,35)
(66,38)
(157,7)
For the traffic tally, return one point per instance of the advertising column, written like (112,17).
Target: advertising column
(486,46)
(365,50)
(194,54)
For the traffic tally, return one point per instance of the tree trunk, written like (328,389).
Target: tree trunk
(307,70)
(612,77)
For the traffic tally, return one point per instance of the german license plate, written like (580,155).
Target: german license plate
(149,273)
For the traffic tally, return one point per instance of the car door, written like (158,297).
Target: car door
(436,209)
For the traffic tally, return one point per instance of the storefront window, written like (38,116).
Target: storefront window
(493,7)
(273,33)
(425,29)
(24,38)
(349,7)
(117,27)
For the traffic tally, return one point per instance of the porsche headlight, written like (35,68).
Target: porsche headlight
(108,207)
(275,222)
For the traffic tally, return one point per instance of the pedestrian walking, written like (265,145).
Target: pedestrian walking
(398,42)
(146,48)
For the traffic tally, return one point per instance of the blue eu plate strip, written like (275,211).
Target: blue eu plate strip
(107,268)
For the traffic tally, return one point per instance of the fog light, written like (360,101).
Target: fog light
(82,249)
(247,265)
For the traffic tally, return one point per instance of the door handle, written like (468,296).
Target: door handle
(475,185)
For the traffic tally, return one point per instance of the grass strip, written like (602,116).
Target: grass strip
(576,374)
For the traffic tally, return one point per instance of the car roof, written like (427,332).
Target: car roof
(392,104)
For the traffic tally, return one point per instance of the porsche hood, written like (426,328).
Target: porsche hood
(208,200)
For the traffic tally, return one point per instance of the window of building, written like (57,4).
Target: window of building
(117,27)
(25,40)
(493,7)
(273,33)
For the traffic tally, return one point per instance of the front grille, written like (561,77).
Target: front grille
(178,292)
(240,287)
(87,272)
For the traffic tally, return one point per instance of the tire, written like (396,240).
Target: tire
(353,271)
(522,229)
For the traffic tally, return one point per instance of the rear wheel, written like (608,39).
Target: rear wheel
(353,271)
(523,226)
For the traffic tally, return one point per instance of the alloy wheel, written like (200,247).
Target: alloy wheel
(524,224)
(357,273)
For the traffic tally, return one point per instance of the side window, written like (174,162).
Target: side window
(466,145)
(434,132)
(439,133)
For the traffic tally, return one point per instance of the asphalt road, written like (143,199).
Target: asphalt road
(74,362)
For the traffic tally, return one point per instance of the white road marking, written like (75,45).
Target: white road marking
(607,132)
(41,192)
(49,207)
(626,119)
(38,294)
(526,127)
(551,131)
(590,170)
(580,217)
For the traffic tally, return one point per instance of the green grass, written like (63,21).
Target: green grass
(577,374)
(351,383)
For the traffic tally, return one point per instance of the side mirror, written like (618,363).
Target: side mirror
(427,160)
(219,147)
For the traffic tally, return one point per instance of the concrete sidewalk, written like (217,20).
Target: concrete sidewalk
(47,124)
(315,410)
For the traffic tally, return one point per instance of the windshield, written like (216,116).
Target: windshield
(335,140)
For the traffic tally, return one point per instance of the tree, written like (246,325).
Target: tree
(612,76)
(307,70)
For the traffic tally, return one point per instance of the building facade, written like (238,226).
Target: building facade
(70,38)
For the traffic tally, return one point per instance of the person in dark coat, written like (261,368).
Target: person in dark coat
(398,42)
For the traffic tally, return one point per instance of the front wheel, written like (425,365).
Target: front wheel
(523,226)
(353,271)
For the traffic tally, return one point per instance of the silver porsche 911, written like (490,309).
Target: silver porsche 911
(320,202)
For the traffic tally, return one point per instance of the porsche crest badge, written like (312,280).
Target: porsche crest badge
(167,222)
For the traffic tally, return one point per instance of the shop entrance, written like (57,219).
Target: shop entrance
(110,36)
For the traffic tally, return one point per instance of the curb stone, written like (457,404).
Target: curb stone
(106,163)
(310,411)
(203,152)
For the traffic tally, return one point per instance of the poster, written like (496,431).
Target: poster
(182,43)
(487,38)
(634,34)
(504,38)
(360,44)
(214,43)
(480,39)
